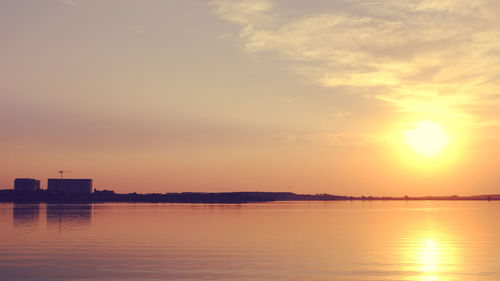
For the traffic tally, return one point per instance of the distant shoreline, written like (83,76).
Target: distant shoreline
(9,195)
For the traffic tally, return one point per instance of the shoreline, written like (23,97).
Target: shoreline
(43,196)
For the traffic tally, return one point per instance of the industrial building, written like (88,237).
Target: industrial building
(24,184)
(70,186)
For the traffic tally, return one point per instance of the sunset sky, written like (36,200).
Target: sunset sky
(343,97)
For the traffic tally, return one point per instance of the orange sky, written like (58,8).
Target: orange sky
(169,96)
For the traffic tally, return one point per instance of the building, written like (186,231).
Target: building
(26,185)
(70,186)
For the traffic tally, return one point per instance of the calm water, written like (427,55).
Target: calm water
(272,241)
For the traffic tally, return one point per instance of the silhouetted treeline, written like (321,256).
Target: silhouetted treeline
(184,197)
(10,195)
(200,197)
(220,197)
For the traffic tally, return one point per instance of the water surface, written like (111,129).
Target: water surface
(378,240)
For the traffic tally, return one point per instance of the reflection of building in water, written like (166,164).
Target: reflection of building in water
(24,185)
(25,214)
(68,215)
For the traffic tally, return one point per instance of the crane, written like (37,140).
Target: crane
(62,172)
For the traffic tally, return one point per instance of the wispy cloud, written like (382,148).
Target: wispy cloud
(427,57)
(69,2)
(246,12)
(333,139)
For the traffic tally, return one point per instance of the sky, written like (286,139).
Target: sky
(211,96)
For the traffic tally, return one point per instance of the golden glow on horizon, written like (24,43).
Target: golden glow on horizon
(429,147)
(427,138)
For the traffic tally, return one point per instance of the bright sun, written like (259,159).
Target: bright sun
(427,138)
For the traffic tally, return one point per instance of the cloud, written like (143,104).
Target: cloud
(246,12)
(68,2)
(333,139)
(342,139)
(341,114)
(438,58)
(71,3)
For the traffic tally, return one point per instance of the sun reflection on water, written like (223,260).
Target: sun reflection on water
(428,258)
(432,255)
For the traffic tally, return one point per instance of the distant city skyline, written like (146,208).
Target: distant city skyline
(341,97)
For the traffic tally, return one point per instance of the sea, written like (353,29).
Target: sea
(335,240)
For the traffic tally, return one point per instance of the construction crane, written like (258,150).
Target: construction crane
(62,172)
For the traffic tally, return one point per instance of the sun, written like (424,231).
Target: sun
(427,138)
